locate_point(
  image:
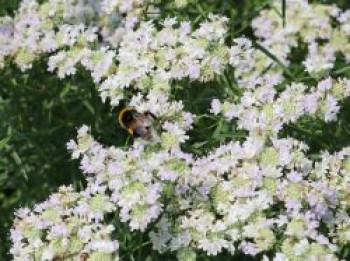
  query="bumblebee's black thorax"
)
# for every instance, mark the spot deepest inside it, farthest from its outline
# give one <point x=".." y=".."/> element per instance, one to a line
<point x="127" y="118"/>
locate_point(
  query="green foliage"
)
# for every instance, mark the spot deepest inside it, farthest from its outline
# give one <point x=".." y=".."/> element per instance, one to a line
<point x="40" y="114"/>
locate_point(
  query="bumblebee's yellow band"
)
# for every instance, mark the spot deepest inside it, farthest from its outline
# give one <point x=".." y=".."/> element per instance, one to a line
<point x="131" y="131"/>
<point x="121" y="113"/>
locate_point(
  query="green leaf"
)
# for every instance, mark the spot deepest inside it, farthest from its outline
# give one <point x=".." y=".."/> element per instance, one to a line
<point x="4" y="142"/>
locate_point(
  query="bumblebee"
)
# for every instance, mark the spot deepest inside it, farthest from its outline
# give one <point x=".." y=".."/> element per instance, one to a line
<point x="139" y="125"/>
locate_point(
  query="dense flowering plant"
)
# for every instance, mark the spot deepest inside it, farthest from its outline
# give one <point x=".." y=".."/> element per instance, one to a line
<point x="258" y="191"/>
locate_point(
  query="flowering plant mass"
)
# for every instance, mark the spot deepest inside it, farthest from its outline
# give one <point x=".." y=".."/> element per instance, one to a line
<point x="237" y="169"/>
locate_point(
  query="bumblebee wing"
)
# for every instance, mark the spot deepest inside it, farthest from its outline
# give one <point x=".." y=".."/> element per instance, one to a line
<point x="151" y="115"/>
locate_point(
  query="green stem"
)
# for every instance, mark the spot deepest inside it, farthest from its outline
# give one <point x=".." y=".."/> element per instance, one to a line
<point x="273" y="57"/>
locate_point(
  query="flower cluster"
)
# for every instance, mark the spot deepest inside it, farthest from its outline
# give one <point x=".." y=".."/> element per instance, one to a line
<point x="147" y="57"/>
<point x="243" y="194"/>
<point x="251" y="65"/>
<point x="136" y="177"/>
<point x="264" y="111"/>
<point x="311" y="24"/>
<point x="67" y="226"/>
<point x="33" y="30"/>
<point x="150" y="58"/>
